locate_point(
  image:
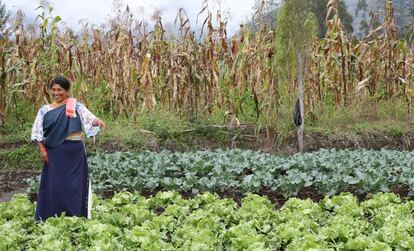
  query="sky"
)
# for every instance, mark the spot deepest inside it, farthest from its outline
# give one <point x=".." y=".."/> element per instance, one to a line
<point x="98" y="11"/>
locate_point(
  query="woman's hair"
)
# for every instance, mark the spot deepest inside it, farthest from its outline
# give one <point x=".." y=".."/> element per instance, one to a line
<point x="63" y="82"/>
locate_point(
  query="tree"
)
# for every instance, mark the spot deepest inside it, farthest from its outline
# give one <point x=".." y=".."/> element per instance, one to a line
<point x="403" y="14"/>
<point x="317" y="7"/>
<point x="362" y="5"/>
<point x="264" y="13"/>
<point x="404" y="17"/>
<point x="363" y="26"/>
<point x="293" y="47"/>
<point x="4" y="17"/>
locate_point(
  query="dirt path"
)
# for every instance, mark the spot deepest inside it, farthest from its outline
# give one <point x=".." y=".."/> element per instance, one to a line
<point x="8" y="196"/>
<point x="14" y="181"/>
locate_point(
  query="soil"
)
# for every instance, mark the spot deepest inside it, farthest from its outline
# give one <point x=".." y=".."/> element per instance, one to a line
<point x="278" y="200"/>
<point x="268" y="142"/>
<point x="14" y="181"/>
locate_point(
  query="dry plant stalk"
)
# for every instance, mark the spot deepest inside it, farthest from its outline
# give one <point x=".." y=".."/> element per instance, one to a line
<point x="135" y="70"/>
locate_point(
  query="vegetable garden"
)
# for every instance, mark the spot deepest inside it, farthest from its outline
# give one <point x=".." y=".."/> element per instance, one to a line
<point x="328" y="171"/>
<point x="213" y="199"/>
<point x="168" y="222"/>
<point x="232" y="200"/>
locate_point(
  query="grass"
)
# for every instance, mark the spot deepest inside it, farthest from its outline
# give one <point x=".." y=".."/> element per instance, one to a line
<point x="22" y="157"/>
<point x="385" y="116"/>
<point x="159" y="129"/>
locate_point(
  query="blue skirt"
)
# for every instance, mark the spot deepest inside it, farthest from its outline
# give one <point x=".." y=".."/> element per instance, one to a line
<point x="64" y="182"/>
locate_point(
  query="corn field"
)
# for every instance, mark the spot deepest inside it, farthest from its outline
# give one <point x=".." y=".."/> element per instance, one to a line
<point x="131" y="68"/>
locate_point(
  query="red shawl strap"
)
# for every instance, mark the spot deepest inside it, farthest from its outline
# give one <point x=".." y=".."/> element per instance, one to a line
<point x="70" y="108"/>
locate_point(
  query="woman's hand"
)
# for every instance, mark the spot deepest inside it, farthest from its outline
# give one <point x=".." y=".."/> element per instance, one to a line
<point x="43" y="156"/>
<point x="100" y="123"/>
<point x="43" y="153"/>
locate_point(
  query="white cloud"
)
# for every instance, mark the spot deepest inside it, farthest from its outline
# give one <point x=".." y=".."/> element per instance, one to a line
<point x="98" y="11"/>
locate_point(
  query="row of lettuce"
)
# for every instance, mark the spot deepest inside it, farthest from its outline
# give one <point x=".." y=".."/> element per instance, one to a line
<point x="168" y="222"/>
<point x="327" y="171"/>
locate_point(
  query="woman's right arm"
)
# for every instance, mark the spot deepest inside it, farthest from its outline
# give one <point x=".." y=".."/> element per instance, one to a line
<point x="37" y="134"/>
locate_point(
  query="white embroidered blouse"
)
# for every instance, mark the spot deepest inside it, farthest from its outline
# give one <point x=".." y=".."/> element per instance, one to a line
<point x="86" y="118"/>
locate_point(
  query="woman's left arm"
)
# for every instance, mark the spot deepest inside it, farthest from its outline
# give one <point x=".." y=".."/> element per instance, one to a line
<point x="90" y="121"/>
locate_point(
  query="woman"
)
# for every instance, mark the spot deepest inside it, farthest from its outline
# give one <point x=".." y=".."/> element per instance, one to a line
<point x="64" y="185"/>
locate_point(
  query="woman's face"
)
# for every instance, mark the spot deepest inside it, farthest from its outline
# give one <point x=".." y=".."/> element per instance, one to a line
<point x="58" y="93"/>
